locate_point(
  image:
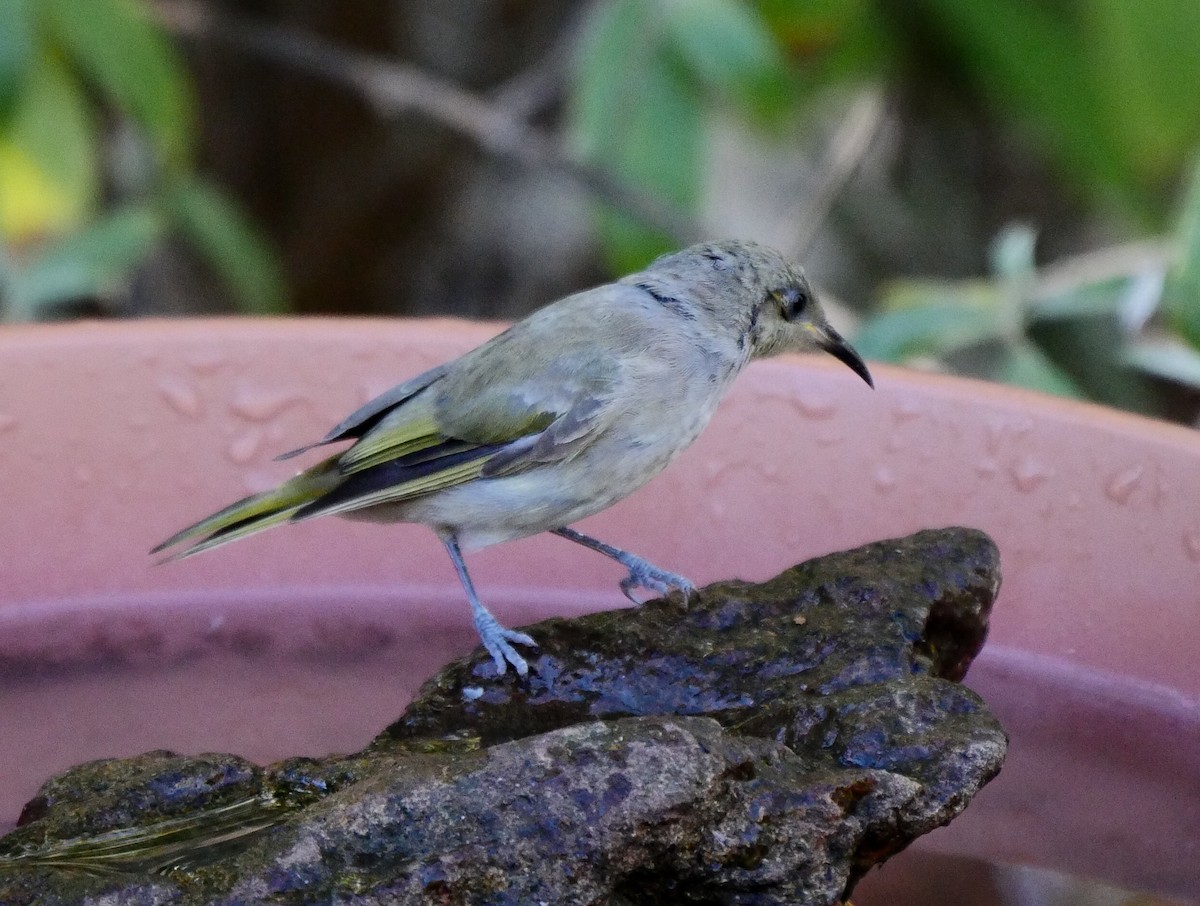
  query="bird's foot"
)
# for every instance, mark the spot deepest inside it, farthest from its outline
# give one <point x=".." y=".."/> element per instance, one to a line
<point x="643" y="574"/>
<point x="496" y="640"/>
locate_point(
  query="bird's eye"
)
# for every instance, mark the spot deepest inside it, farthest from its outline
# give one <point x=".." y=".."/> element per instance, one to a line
<point x="793" y="301"/>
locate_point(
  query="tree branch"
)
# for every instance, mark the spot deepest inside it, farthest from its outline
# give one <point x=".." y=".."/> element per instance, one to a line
<point x="393" y="88"/>
<point x="844" y="153"/>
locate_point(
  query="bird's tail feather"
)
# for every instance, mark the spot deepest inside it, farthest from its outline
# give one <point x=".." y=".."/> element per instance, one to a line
<point x="255" y="513"/>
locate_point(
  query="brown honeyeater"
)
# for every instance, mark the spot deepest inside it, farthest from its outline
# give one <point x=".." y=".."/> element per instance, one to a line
<point x="557" y="418"/>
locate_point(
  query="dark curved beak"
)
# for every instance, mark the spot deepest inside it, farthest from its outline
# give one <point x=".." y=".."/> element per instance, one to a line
<point x="835" y="344"/>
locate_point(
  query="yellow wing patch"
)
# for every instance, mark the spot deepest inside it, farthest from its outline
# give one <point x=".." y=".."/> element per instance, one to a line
<point x="258" y="511"/>
<point x="251" y="527"/>
<point x="391" y="442"/>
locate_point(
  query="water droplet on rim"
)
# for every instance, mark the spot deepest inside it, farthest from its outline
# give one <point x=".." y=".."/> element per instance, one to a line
<point x="815" y="408"/>
<point x="768" y="468"/>
<point x="207" y="362"/>
<point x="987" y="468"/>
<point x="1122" y="485"/>
<point x="260" y="480"/>
<point x="1028" y="474"/>
<point x="1191" y="544"/>
<point x="829" y="438"/>
<point x="259" y="405"/>
<point x="1001" y="430"/>
<point x="243" y="448"/>
<point x="180" y="395"/>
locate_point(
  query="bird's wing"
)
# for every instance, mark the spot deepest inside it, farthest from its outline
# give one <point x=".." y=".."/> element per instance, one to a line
<point x="518" y="384"/>
<point x="562" y="439"/>
<point x="461" y="429"/>
<point x="538" y="393"/>
<point x="369" y="414"/>
<point x="440" y="466"/>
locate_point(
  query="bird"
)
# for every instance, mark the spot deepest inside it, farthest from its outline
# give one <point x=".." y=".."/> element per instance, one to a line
<point x="556" y="418"/>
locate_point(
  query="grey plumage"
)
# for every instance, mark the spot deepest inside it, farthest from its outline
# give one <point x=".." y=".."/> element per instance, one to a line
<point x="557" y="418"/>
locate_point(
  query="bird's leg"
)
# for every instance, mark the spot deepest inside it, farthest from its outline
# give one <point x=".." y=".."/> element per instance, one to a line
<point x="642" y="573"/>
<point x="495" y="637"/>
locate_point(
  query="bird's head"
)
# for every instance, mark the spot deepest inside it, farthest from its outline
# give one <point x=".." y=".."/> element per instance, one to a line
<point x="754" y="292"/>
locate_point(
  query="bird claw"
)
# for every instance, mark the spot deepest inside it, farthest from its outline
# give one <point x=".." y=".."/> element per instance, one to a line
<point x="496" y="641"/>
<point x="660" y="581"/>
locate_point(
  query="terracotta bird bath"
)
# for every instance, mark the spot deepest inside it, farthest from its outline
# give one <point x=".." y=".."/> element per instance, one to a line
<point x="311" y="638"/>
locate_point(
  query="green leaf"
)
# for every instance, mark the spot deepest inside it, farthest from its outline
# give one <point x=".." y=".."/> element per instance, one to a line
<point x="1105" y="297"/>
<point x="1146" y="67"/>
<point x="1088" y="350"/>
<point x="1181" y="296"/>
<point x="659" y="151"/>
<point x="51" y="180"/>
<point x="728" y="47"/>
<point x="617" y="43"/>
<point x="929" y="330"/>
<point x="1031" y="60"/>
<point x="7" y="276"/>
<point x="91" y="263"/>
<point x="1026" y="366"/>
<point x="1012" y="252"/>
<point x="634" y="113"/>
<point x="903" y="294"/>
<point x="840" y="40"/>
<point x="1167" y="359"/>
<point x="231" y="244"/>
<point x="17" y="49"/>
<point x="128" y="57"/>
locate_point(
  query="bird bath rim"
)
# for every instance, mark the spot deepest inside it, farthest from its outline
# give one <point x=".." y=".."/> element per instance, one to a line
<point x="122" y="432"/>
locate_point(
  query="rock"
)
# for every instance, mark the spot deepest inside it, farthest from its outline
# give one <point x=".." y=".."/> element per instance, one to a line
<point x="766" y="745"/>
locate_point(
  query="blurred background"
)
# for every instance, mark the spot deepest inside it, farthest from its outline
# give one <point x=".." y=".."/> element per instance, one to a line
<point x="1008" y="189"/>
<point x="1002" y="188"/>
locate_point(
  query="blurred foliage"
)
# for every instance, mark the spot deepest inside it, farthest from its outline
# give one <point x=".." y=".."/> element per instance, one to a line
<point x="1182" y="293"/>
<point x="1095" y="98"/>
<point x="1096" y="337"/>
<point x="637" y="103"/>
<point x="1106" y="88"/>
<point x="97" y="148"/>
<point x="1108" y="85"/>
<point x="647" y="72"/>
